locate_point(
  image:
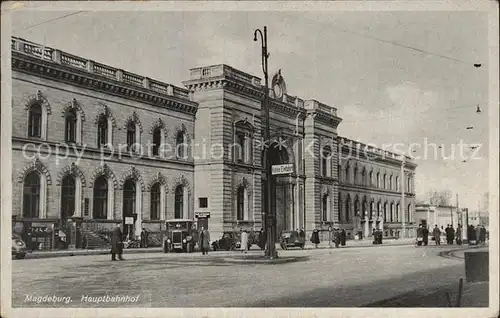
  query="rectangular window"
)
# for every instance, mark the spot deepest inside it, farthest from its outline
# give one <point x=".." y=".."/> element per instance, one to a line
<point x="203" y="202"/>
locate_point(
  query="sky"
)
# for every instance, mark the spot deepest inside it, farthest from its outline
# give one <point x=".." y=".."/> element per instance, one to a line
<point x="385" y="93"/>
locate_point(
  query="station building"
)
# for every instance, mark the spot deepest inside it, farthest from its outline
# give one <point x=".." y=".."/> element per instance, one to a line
<point x="94" y="145"/>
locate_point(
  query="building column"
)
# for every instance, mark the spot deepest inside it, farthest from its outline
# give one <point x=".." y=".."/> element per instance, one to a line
<point x="163" y="197"/>
<point x="138" y="209"/>
<point x="246" y="199"/>
<point x="111" y="197"/>
<point x="185" y="204"/>
<point x="367" y="230"/>
<point x="78" y="197"/>
<point x="43" y="197"/>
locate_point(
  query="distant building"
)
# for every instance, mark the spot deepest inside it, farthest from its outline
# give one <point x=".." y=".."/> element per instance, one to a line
<point x="441" y="215"/>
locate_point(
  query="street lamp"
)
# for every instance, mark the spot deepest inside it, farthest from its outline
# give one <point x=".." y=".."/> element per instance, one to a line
<point x="269" y="219"/>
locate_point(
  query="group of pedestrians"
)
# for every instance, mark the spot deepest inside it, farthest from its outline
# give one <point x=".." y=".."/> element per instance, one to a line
<point x="338" y="237"/>
<point x="476" y="235"/>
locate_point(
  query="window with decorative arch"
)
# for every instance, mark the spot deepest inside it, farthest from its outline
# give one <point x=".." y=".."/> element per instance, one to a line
<point x="155" y="201"/>
<point x="341" y="208"/>
<point x="180" y="145"/>
<point x="325" y="208"/>
<point x="179" y="202"/>
<point x="390" y="183"/>
<point x="68" y="196"/>
<point x="35" y="120"/>
<point x="348" y="209"/>
<point x="326" y="159"/>
<point x="32" y="195"/>
<point x="371" y="179"/>
<point x="378" y="179"/>
<point x="101" y="197"/>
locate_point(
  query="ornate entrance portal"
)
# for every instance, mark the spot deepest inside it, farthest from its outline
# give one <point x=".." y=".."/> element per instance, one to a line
<point x="283" y="200"/>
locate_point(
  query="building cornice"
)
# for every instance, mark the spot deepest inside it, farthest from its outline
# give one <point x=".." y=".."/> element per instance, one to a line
<point x="90" y="75"/>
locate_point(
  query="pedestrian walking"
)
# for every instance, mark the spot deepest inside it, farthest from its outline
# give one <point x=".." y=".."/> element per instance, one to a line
<point x="482" y="235"/>
<point x="315" y="238"/>
<point x="478" y="234"/>
<point x="244" y="241"/>
<point x="336" y="237"/>
<point x="425" y="234"/>
<point x="436" y="234"/>
<point x="117" y="243"/>
<point x="458" y="235"/>
<point x="262" y="239"/>
<point x="342" y="237"/>
<point x="420" y="235"/>
<point x="204" y="242"/>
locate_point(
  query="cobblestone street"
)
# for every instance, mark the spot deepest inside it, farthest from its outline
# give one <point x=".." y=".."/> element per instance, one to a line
<point x="328" y="278"/>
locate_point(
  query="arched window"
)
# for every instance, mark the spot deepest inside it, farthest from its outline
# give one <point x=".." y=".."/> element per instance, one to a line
<point x="347" y="177"/>
<point x="325" y="207"/>
<point x="392" y="212"/>
<point x="356" y="207"/>
<point x="385" y="181"/>
<point x="241" y="144"/>
<point x="129" y="198"/>
<point x="409" y="185"/>
<point x="155" y="201"/>
<point x="326" y="154"/>
<point x="35" y="121"/>
<point x="156" y="141"/>
<point x="31" y="195"/>
<point x="100" y="208"/>
<point x="390" y="183"/>
<point x="397" y="212"/>
<point x="397" y="183"/>
<point x="385" y="212"/>
<point x="363" y="177"/>
<point x="68" y="189"/>
<point x="372" y="209"/>
<point x="102" y="130"/>
<point x="378" y="179"/>
<point x="355" y="178"/>
<point x="379" y="209"/>
<point x="130" y="135"/>
<point x="70" y="125"/>
<point x="371" y="178"/>
<point x="408" y="214"/>
<point x="180" y="145"/>
<point x="240" y="204"/>
<point x="348" y="210"/>
<point x="179" y="202"/>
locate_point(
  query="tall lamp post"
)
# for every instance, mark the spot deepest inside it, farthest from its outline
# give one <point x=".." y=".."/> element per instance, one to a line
<point x="269" y="215"/>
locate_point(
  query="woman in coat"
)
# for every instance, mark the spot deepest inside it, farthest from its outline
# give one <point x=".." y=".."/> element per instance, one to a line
<point x="117" y="243"/>
<point x="244" y="241"/>
<point x="315" y="238"/>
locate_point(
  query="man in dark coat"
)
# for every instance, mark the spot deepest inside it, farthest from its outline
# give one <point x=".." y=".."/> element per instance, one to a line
<point x="447" y="231"/>
<point x="452" y="234"/>
<point x="425" y="233"/>
<point x="117" y="243"/>
<point x="436" y="233"/>
<point x="482" y="234"/>
<point x="144" y="238"/>
<point x="342" y="237"/>
<point x="458" y="235"/>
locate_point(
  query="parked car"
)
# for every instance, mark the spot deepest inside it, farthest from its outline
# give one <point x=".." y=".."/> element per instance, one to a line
<point x="19" y="248"/>
<point x="181" y="236"/>
<point x="291" y="239"/>
<point x="230" y="241"/>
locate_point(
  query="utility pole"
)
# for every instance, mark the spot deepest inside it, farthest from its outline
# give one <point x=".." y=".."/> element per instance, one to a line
<point x="269" y="217"/>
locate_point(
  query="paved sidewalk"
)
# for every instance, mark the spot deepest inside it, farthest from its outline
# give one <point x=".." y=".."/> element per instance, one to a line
<point x="322" y="245"/>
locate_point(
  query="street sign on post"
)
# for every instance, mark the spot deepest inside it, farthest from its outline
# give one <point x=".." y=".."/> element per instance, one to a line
<point x="282" y="169"/>
<point x="129" y="220"/>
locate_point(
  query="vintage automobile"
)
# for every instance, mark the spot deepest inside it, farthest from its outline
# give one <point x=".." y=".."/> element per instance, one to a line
<point x="181" y="236"/>
<point x="291" y="239"/>
<point x="19" y="248"/>
<point x="231" y="241"/>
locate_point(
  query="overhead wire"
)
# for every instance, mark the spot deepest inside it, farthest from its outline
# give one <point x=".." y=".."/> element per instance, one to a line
<point x="48" y="21"/>
<point x="364" y="35"/>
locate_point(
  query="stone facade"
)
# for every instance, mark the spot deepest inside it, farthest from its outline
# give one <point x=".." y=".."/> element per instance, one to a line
<point x="219" y="116"/>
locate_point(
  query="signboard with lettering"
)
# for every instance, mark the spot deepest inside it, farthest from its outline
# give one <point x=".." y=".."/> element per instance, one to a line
<point x="282" y="169"/>
<point x="129" y="220"/>
<point x="202" y="214"/>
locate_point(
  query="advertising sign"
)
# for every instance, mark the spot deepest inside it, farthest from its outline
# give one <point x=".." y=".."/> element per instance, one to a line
<point x="282" y="169"/>
<point x="129" y="220"/>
